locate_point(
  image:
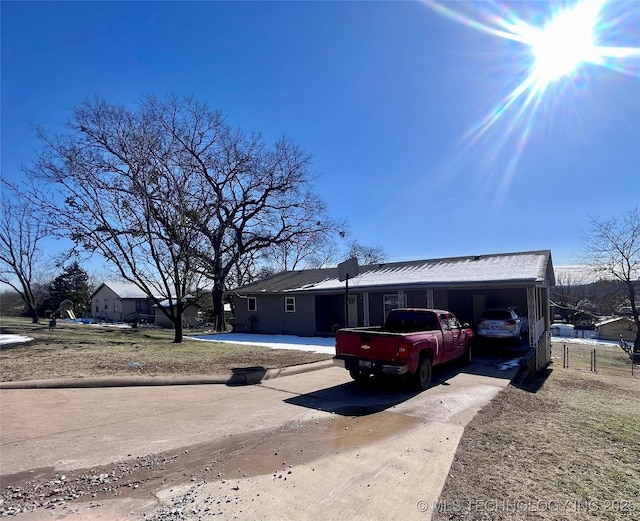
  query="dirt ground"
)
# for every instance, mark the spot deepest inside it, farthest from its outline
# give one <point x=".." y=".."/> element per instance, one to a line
<point x="563" y="446"/>
<point x="226" y="460"/>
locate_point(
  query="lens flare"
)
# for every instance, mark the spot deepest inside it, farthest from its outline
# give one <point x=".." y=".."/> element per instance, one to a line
<point x="555" y="53"/>
<point x="564" y="44"/>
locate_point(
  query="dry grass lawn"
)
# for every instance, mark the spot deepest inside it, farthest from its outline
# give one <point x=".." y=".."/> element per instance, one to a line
<point x="564" y="447"/>
<point x="80" y="351"/>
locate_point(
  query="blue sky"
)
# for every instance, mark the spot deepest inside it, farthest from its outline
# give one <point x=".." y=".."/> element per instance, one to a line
<point x="388" y="97"/>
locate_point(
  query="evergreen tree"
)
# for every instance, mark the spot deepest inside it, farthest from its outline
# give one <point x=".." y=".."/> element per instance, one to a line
<point x="72" y="284"/>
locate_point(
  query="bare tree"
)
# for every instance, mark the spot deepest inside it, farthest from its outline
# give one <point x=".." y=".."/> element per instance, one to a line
<point x="569" y="291"/>
<point x="115" y="184"/>
<point x="367" y="254"/>
<point x="613" y="250"/>
<point x="169" y="193"/>
<point x="307" y="251"/>
<point x="21" y="255"/>
<point x="250" y="197"/>
<point x="609" y="296"/>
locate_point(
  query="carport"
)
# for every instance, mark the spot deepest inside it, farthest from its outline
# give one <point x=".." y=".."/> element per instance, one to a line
<point x="311" y="302"/>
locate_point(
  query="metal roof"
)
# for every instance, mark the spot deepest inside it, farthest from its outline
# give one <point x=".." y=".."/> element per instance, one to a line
<point x="124" y="290"/>
<point x="524" y="268"/>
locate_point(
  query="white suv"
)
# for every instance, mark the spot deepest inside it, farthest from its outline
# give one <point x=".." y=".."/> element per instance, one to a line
<point x="502" y="323"/>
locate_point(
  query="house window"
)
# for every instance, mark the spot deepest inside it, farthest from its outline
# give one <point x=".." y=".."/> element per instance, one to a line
<point x="106" y="303"/>
<point x="141" y="304"/>
<point x="252" y="304"/>
<point x="290" y="304"/>
<point x="393" y="301"/>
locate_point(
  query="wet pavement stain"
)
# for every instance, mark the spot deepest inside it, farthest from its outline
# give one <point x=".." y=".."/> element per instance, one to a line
<point x="256" y="453"/>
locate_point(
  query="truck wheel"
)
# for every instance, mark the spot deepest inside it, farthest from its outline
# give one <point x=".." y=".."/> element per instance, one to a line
<point x="422" y="378"/>
<point x="359" y="376"/>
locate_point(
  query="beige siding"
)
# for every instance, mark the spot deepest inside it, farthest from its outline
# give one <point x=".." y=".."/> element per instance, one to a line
<point x="624" y="328"/>
<point x="188" y="317"/>
<point x="106" y="305"/>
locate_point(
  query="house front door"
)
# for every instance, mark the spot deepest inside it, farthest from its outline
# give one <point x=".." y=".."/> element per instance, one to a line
<point x="352" y="303"/>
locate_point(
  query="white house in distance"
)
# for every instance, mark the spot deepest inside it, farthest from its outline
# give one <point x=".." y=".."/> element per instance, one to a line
<point x="125" y="302"/>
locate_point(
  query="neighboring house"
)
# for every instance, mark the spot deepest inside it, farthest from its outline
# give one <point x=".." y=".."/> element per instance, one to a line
<point x="124" y="302"/>
<point x="121" y="302"/>
<point x="563" y="330"/>
<point x="614" y="328"/>
<point x="314" y="302"/>
<point x="189" y="316"/>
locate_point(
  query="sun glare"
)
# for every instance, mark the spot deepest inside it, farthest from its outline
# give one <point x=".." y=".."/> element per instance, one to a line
<point x="577" y="34"/>
<point x="564" y="44"/>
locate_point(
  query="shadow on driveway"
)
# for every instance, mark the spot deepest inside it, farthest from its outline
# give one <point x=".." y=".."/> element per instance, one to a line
<point x="358" y="399"/>
<point x="247" y="375"/>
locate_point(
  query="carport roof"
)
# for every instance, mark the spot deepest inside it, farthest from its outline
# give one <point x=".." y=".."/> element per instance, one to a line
<point x="525" y="268"/>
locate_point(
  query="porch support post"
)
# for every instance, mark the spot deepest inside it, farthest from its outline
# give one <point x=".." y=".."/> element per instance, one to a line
<point x="365" y="308"/>
<point x="532" y="316"/>
<point x="430" y="298"/>
<point x="402" y="299"/>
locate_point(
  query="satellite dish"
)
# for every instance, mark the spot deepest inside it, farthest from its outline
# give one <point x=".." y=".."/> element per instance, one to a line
<point x="348" y="269"/>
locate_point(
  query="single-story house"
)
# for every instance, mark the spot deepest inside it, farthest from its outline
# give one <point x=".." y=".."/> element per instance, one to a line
<point x="315" y="302"/>
<point x="616" y="328"/>
<point x="125" y="302"/>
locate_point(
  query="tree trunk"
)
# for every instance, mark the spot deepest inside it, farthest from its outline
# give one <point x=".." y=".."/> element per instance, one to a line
<point x="636" y="314"/>
<point x="177" y="331"/>
<point x="33" y="314"/>
<point x="178" y="328"/>
<point x="218" y="308"/>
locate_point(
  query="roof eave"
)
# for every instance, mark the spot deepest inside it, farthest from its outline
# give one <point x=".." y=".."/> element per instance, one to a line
<point x="524" y="283"/>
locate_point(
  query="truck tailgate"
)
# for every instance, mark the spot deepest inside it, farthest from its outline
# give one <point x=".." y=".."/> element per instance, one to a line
<point x="369" y="344"/>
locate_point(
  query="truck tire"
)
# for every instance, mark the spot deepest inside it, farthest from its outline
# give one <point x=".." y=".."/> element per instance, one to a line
<point x="422" y="378"/>
<point x="359" y="376"/>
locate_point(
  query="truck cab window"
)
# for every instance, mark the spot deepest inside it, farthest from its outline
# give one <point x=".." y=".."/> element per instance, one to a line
<point x="445" y="321"/>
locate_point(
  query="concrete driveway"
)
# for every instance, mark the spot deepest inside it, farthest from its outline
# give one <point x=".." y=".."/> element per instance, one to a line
<point x="306" y="446"/>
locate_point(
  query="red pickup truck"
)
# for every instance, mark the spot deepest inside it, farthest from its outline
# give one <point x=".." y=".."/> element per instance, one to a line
<point x="410" y="342"/>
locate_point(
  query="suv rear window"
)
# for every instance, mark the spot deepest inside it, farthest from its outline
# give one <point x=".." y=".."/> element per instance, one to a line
<point x="497" y="314"/>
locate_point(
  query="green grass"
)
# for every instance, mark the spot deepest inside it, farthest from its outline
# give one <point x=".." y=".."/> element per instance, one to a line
<point x="80" y="351"/>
